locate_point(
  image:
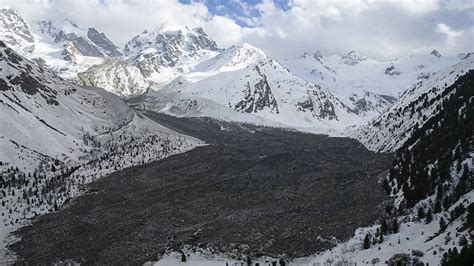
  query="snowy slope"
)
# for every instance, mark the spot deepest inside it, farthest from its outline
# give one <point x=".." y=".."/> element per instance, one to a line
<point x="365" y="85"/>
<point x="389" y="131"/>
<point x="245" y="81"/>
<point x="56" y="136"/>
<point x="39" y="109"/>
<point x="414" y="235"/>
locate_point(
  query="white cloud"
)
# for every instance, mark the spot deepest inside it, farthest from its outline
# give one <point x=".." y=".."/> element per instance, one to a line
<point x="381" y="29"/>
<point x="451" y="35"/>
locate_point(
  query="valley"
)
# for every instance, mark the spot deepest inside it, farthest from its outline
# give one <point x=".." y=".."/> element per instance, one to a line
<point x="161" y="140"/>
<point x="251" y="191"/>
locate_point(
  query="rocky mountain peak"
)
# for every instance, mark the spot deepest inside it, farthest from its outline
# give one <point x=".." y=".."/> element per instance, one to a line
<point x="171" y="37"/>
<point x="13" y="28"/>
<point x="318" y="55"/>
<point x="435" y="53"/>
<point x="103" y="42"/>
<point x="169" y="27"/>
<point x="244" y="54"/>
<point x="353" y="58"/>
<point x="88" y="42"/>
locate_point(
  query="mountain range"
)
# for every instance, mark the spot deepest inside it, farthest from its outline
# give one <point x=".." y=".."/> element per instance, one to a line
<point x="73" y="109"/>
<point x="314" y="92"/>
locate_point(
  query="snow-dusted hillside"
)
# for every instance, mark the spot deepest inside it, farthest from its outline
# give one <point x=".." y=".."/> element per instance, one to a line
<point x="431" y="183"/>
<point x="389" y="131"/>
<point x="56" y="136"/>
<point x="367" y="86"/>
<point x="249" y="84"/>
<point x="418" y="239"/>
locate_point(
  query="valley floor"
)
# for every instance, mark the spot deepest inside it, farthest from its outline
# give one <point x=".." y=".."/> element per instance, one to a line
<point x="252" y="190"/>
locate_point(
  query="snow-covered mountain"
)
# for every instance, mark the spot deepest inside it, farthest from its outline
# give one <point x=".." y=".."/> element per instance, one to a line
<point x="86" y="42"/>
<point x="430" y="179"/>
<point x="182" y="62"/>
<point x="44" y="116"/>
<point x="160" y="56"/>
<point x="367" y="86"/>
<point x="417" y="105"/>
<point x="56" y="136"/>
<point x="169" y="51"/>
<point x="14" y="30"/>
<point x="247" y="84"/>
<point x="60" y="45"/>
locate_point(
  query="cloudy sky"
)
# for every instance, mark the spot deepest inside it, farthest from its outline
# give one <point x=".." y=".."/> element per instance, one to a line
<point x="283" y="28"/>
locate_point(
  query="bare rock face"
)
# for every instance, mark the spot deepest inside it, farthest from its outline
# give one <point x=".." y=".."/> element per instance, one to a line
<point x="391" y="71"/>
<point x="259" y="98"/>
<point x="435" y="53"/>
<point x="319" y="105"/>
<point x="103" y="42"/>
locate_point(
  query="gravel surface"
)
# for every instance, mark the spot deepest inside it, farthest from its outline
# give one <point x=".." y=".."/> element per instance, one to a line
<point x="252" y="190"/>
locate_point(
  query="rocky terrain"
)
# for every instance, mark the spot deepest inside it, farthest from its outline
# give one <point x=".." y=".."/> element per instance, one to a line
<point x="252" y="190"/>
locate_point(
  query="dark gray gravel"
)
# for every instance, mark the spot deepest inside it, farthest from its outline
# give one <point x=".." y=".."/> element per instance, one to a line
<point x="273" y="190"/>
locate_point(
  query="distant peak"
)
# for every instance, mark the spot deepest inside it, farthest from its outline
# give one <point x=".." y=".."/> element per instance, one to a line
<point x="72" y="23"/>
<point x="171" y="27"/>
<point x="60" y="24"/>
<point x="355" y="54"/>
<point x="435" y="53"/>
<point x="353" y="58"/>
<point x="199" y="30"/>
<point x="317" y="55"/>
<point x="247" y="48"/>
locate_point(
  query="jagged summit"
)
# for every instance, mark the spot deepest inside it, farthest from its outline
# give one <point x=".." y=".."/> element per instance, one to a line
<point x="88" y="42"/>
<point x="316" y="55"/>
<point x="171" y="27"/>
<point x="246" y="49"/>
<point x="14" y="30"/>
<point x="435" y="53"/>
<point x="103" y="42"/>
<point x="169" y="51"/>
<point x="168" y="37"/>
<point x="353" y="58"/>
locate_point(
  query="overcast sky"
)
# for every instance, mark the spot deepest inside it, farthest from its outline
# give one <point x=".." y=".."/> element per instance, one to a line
<point x="378" y="29"/>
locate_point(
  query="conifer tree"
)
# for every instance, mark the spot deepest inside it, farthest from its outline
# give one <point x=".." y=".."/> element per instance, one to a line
<point x="421" y="213"/>
<point x="366" y="243"/>
<point x="429" y="216"/>
<point x="442" y="224"/>
<point x="395" y="226"/>
<point x="383" y="227"/>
